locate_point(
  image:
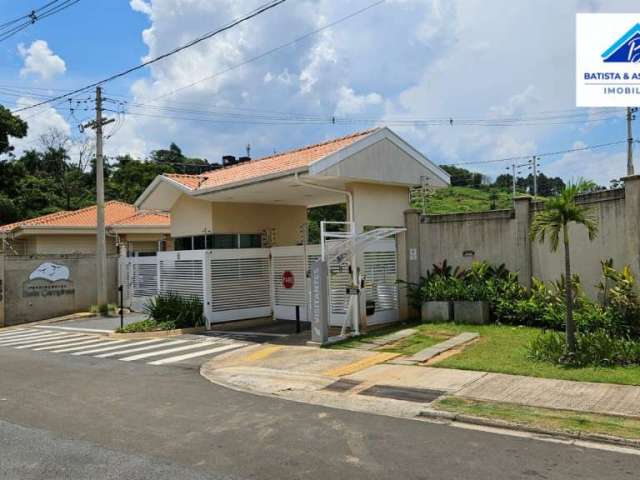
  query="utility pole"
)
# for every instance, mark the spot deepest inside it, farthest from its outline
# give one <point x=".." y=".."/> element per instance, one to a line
<point x="535" y="176"/>
<point x="101" y="240"/>
<point x="630" y="118"/>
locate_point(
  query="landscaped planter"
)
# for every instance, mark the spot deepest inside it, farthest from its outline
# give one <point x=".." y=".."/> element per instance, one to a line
<point x="471" y="312"/>
<point x="436" y="312"/>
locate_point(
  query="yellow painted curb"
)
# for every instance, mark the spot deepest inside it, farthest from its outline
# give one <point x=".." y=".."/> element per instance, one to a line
<point x="262" y="353"/>
<point x="360" y="364"/>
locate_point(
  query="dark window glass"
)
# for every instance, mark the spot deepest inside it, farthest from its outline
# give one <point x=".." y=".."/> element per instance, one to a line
<point x="225" y="240"/>
<point x="250" y="240"/>
<point x="182" y="243"/>
<point x="198" y="242"/>
<point x="209" y="242"/>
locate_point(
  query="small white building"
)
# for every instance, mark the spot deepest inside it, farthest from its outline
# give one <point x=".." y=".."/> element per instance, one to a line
<point x="258" y="209"/>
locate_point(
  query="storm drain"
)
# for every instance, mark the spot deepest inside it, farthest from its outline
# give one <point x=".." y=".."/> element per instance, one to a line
<point x="421" y="395"/>
<point x="342" y="385"/>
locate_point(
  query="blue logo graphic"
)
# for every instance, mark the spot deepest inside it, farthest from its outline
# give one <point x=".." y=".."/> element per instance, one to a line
<point x="626" y="49"/>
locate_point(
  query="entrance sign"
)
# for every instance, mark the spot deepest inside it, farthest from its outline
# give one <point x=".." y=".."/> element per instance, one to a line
<point x="607" y="59"/>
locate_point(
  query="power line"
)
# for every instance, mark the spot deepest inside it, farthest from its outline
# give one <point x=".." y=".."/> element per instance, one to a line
<point x="545" y="154"/>
<point x="33" y="17"/>
<point x="254" y="13"/>
<point x="272" y="50"/>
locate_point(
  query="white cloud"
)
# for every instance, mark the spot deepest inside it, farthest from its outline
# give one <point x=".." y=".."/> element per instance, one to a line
<point x="350" y="103"/>
<point x="600" y="166"/>
<point x="39" y="60"/>
<point x="141" y="6"/>
<point x="40" y="121"/>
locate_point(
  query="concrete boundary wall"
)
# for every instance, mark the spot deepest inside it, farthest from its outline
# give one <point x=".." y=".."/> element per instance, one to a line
<point x="37" y="287"/>
<point x="502" y="236"/>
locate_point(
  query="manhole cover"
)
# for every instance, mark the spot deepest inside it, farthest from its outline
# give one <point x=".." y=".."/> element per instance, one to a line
<point x="421" y="395"/>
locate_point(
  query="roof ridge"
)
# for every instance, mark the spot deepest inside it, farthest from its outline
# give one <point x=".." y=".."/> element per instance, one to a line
<point x="288" y="152"/>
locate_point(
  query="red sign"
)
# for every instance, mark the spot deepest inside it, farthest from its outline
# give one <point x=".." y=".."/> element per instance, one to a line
<point x="288" y="280"/>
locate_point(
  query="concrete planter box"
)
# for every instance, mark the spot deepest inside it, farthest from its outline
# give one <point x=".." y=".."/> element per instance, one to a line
<point x="471" y="312"/>
<point x="436" y="312"/>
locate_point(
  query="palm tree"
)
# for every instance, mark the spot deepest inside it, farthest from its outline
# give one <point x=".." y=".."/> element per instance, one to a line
<point x="554" y="219"/>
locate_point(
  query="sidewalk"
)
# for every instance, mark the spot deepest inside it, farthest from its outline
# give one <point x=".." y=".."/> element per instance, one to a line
<point x="363" y="381"/>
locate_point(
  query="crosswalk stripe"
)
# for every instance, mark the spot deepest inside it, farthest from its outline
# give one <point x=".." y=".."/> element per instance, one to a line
<point x="117" y="347"/>
<point x="39" y="343"/>
<point x="25" y="335"/>
<point x="64" y="348"/>
<point x="29" y="339"/>
<point x="74" y="329"/>
<point x="139" y="349"/>
<point x="161" y="352"/>
<point x="13" y="332"/>
<point x="187" y="356"/>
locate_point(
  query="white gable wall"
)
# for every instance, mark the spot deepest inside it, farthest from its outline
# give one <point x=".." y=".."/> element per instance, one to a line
<point x="382" y="161"/>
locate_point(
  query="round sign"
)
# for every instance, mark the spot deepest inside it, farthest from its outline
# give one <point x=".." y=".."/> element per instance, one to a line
<point x="288" y="280"/>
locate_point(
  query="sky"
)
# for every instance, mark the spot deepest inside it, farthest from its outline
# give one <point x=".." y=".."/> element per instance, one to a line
<point x="467" y="82"/>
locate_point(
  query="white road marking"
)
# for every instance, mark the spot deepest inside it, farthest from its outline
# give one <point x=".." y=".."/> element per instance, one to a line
<point x="13" y="332"/>
<point x="29" y="339"/>
<point x="75" y="329"/>
<point x="26" y="335"/>
<point x="161" y="352"/>
<point x="187" y="356"/>
<point x="225" y="333"/>
<point x="117" y="347"/>
<point x="80" y="350"/>
<point x="139" y="349"/>
<point x="63" y="348"/>
<point x="66" y="339"/>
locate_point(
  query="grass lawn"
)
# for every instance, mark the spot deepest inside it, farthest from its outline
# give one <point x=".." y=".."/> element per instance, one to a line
<point x="406" y="346"/>
<point x="466" y="199"/>
<point x="503" y="349"/>
<point x="548" y="419"/>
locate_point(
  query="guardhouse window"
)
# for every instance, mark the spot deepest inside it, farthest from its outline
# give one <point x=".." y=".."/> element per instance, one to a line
<point x="218" y="241"/>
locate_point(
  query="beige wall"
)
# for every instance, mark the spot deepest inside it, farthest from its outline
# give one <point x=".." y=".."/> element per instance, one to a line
<point x="502" y="237"/>
<point x="378" y="205"/>
<point x="256" y="217"/>
<point x="190" y="216"/>
<point x="63" y="244"/>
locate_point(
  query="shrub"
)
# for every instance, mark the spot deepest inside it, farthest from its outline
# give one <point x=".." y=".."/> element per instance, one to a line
<point x="142" y="326"/>
<point x="597" y="348"/>
<point x="182" y="311"/>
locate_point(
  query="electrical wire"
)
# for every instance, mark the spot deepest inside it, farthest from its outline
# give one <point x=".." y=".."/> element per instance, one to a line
<point x="34" y="16"/>
<point x="252" y="14"/>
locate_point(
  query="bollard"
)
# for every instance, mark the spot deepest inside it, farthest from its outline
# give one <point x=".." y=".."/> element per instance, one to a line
<point x="297" y="318"/>
<point x="121" y="290"/>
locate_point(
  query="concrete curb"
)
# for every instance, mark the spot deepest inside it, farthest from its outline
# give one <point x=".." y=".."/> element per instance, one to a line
<point x="486" y="422"/>
<point x="157" y="333"/>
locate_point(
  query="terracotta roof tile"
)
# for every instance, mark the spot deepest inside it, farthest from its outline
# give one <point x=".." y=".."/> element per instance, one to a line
<point x="145" y="218"/>
<point x="279" y="163"/>
<point x="114" y="212"/>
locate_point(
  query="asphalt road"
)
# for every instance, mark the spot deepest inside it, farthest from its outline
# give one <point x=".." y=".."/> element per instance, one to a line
<point x="65" y="417"/>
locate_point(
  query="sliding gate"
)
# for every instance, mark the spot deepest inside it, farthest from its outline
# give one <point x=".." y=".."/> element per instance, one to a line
<point x="262" y="282"/>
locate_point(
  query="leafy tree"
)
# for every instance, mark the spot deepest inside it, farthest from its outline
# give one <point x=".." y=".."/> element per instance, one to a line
<point x="336" y="213"/>
<point x="130" y="177"/>
<point x="10" y="126"/>
<point x="553" y="221"/>
<point x="461" y="177"/>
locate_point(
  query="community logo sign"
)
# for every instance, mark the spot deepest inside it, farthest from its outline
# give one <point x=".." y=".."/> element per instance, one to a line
<point x="48" y="280"/>
<point x="607" y="59"/>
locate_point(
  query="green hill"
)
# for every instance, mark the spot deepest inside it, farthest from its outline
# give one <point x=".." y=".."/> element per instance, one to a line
<point x="466" y="199"/>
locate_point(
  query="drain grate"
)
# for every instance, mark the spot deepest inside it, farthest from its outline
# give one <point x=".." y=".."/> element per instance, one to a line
<point x="342" y="385"/>
<point x="421" y="395"/>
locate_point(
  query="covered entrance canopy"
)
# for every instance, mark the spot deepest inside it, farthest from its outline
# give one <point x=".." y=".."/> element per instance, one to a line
<point x="370" y="171"/>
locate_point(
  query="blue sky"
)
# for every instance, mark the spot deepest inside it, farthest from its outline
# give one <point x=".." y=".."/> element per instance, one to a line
<point x="411" y="64"/>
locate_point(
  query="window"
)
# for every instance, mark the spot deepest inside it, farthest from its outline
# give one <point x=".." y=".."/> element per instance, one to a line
<point x="218" y="241"/>
<point x="183" y="243"/>
<point x="198" y="242"/>
<point x="225" y="240"/>
<point x="250" y="240"/>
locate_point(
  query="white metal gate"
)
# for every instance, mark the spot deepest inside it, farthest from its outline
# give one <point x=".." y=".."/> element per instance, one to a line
<point x="250" y="283"/>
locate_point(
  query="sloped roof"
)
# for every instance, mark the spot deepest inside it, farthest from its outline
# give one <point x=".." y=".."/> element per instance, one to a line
<point x="115" y="213"/>
<point x="279" y="163"/>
